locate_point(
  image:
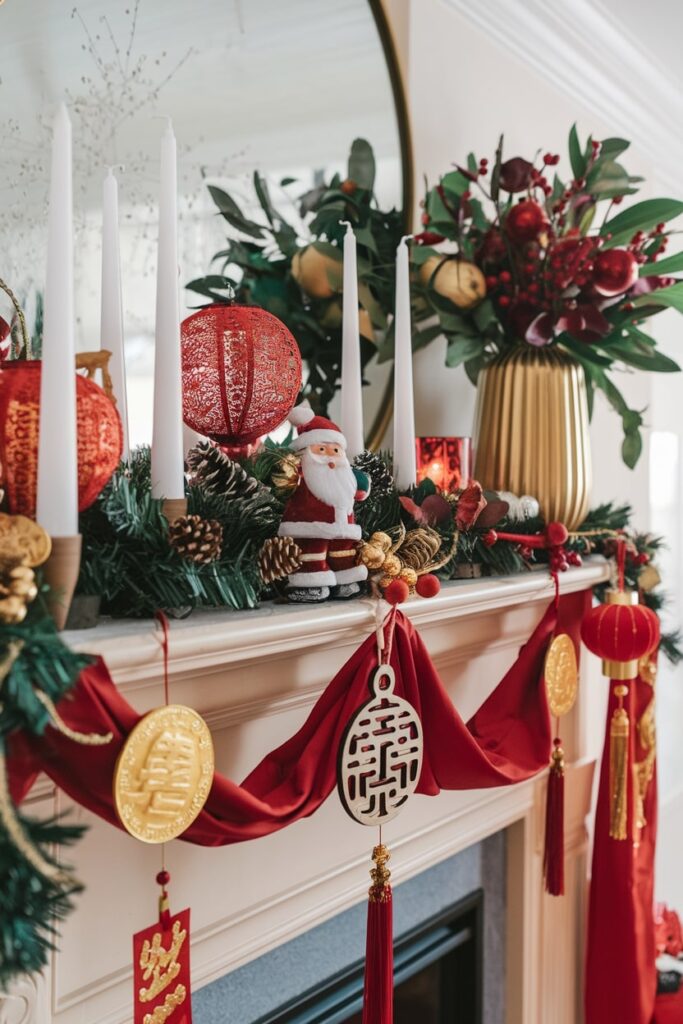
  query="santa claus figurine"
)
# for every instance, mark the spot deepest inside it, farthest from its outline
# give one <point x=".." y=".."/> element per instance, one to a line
<point x="319" y="515"/>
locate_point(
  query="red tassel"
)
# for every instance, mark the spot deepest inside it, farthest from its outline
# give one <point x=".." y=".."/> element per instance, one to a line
<point x="553" y="854"/>
<point x="378" y="994"/>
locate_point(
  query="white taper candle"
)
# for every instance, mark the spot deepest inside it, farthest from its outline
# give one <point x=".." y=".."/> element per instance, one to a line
<point x="167" y="429"/>
<point x="111" y="315"/>
<point x="405" y="470"/>
<point x="57" y="488"/>
<point x="351" y="379"/>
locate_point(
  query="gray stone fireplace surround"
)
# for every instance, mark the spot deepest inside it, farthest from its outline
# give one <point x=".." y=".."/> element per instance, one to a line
<point x="260" y="987"/>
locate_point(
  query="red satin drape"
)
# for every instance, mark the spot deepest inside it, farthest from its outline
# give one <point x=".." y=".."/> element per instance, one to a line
<point x="508" y="739"/>
<point x="621" y="978"/>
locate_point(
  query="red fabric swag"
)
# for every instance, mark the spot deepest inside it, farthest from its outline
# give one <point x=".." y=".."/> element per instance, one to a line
<point x="508" y="739"/>
<point x="621" y="978"/>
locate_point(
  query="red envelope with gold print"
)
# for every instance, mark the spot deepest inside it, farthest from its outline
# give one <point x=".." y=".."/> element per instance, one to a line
<point x="161" y="972"/>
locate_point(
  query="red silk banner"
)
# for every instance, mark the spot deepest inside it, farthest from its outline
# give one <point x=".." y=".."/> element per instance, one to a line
<point x="161" y="972"/>
<point x="621" y="978"/>
<point x="508" y="740"/>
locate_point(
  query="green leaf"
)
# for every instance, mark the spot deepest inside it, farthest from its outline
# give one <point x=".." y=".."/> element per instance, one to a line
<point x="484" y="315"/>
<point x="232" y="213"/>
<point x="287" y="181"/>
<point x="576" y="156"/>
<point x="479" y="218"/>
<point x="261" y="190"/>
<point x="424" y="337"/>
<point x="670" y="265"/>
<point x="495" y="173"/>
<point x="419" y="254"/>
<point x="612" y="148"/>
<point x="651" y="360"/>
<point x="631" y="448"/>
<point x="374" y="309"/>
<point x="361" y="168"/>
<point x="587" y="218"/>
<point x="671" y="297"/>
<point x="456" y="183"/>
<point x="364" y="236"/>
<point x="640" y="217"/>
<point x="461" y="348"/>
<point x="607" y="176"/>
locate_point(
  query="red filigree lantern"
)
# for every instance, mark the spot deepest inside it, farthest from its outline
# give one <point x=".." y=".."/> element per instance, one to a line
<point x="100" y="437"/>
<point x="241" y="373"/>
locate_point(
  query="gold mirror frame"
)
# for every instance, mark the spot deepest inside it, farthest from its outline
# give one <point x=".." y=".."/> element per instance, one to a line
<point x="380" y="423"/>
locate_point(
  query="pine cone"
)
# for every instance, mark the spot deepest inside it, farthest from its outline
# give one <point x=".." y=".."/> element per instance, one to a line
<point x="215" y="473"/>
<point x="196" y="539"/>
<point x="278" y="558"/>
<point x="378" y="471"/>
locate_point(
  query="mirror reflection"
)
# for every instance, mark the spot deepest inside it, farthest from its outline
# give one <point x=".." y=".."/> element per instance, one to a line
<point x="283" y="89"/>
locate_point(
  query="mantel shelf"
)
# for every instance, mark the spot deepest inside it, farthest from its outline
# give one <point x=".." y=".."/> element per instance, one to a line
<point x="209" y="639"/>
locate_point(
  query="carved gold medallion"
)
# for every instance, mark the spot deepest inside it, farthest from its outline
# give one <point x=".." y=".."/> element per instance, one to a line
<point x="163" y="774"/>
<point x="380" y="756"/>
<point x="561" y="675"/>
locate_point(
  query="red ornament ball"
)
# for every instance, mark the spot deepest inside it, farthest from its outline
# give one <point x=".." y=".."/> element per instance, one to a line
<point x="100" y="436"/>
<point x="397" y="592"/>
<point x="556" y="534"/>
<point x="163" y="878"/>
<point x="525" y="221"/>
<point x="428" y="585"/>
<point x="620" y="632"/>
<point x="614" y="271"/>
<point x="241" y="372"/>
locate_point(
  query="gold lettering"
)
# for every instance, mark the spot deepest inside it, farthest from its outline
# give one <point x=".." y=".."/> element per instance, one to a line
<point x="167" y="1008"/>
<point x="159" y="964"/>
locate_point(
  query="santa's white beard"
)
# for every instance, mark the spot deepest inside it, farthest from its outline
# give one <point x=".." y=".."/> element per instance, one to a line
<point x="335" y="487"/>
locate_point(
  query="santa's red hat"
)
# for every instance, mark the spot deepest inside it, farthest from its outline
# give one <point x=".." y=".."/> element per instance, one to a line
<point x="314" y="429"/>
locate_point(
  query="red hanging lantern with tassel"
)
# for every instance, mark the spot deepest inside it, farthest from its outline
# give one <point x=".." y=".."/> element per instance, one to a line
<point x="100" y="437"/>
<point x="241" y="371"/>
<point x="621" y="631"/>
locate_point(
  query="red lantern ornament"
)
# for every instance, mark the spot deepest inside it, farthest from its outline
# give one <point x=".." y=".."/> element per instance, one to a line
<point x="526" y="221"/>
<point x="614" y="272"/>
<point x="621" y="632"/>
<point x="241" y="372"/>
<point x="100" y="436"/>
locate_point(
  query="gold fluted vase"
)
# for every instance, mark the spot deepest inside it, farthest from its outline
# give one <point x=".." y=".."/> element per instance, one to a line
<point x="531" y="431"/>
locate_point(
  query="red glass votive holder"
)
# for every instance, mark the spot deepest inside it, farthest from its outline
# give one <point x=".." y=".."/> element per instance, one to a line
<point x="447" y="461"/>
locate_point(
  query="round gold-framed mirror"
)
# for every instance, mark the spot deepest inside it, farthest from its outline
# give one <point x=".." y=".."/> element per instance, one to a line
<point x="282" y="89"/>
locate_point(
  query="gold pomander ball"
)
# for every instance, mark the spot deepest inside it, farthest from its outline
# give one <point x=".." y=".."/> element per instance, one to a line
<point x="461" y="282"/>
<point x="17" y="590"/>
<point x="285" y="476"/>
<point x="409" y="575"/>
<point x="392" y="566"/>
<point x="382" y="540"/>
<point x="316" y="273"/>
<point x="371" y="556"/>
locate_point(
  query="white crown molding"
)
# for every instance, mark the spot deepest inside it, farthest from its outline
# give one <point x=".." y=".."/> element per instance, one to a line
<point x="585" y="52"/>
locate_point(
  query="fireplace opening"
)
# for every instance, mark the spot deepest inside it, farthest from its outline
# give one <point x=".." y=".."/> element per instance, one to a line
<point x="437" y="976"/>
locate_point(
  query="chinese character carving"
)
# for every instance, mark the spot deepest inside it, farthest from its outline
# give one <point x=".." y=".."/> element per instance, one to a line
<point x="380" y="756"/>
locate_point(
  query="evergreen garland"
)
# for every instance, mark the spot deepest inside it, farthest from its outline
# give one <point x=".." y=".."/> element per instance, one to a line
<point x="36" y="890"/>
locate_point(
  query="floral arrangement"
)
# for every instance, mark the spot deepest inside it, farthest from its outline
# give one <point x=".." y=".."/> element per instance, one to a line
<point x="526" y="257"/>
<point x="293" y="267"/>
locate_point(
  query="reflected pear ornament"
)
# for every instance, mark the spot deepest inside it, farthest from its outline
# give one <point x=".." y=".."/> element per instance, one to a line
<point x="380" y="756"/>
<point x="164" y="774"/>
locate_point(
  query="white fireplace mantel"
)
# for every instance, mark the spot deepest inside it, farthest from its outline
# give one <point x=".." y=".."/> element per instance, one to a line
<point x="254" y="677"/>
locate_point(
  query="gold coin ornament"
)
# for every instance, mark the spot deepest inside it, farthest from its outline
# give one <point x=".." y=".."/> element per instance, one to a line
<point x="30" y="541"/>
<point x="561" y="675"/>
<point x="164" y="774"/>
<point x="380" y="756"/>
